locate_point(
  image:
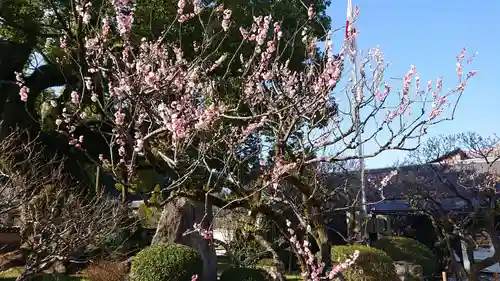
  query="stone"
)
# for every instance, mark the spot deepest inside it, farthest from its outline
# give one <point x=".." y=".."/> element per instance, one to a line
<point x="408" y="271"/>
<point x="272" y="271"/>
<point x="179" y="216"/>
<point x="59" y="267"/>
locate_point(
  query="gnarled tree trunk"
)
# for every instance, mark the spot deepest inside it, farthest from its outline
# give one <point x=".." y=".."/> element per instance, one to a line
<point x="280" y="267"/>
<point x="177" y="217"/>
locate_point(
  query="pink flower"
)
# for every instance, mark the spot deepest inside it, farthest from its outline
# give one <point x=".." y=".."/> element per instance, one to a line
<point x="88" y="83"/>
<point x="185" y="17"/>
<point x="244" y="33"/>
<point x="75" y="98"/>
<point x="435" y="112"/>
<point x="63" y="42"/>
<point x="150" y="78"/>
<point x="207" y="235"/>
<point x="459" y="69"/>
<point x="181" y="5"/>
<point x="461" y="87"/>
<point x="316" y="269"/>
<point x="119" y="118"/>
<point x="85" y="12"/>
<point x="310" y="12"/>
<point x="139" y="145"/>
<point x="407" y="80"/>
<point x="86" y="18"/>
<point x="124" y="16"/>
<point x="105" y="27"/>
<point x="218" y="62"/>
<point x="262" y="161"/>
<point x="277" y="30"/>
<point x="178" y="127"/>
<point x="440" y="83"/>
<point x="24" y="93"/>
<point x="208" y="117"/>
<point x="471" y="73"/>
<point x="197" y="7"/>
<point x="226" y="19"/>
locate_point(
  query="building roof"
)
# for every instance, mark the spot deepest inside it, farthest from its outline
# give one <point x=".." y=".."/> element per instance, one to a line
<point x="450" y="182"/>
<point x="454" y="154"/>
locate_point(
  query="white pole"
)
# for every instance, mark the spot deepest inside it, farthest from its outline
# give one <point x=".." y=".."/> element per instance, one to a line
<point x="357" y="89"/>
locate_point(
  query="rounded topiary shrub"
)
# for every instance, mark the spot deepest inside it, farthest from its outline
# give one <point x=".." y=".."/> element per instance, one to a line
<point x="164" y="262"/>
<point x="409" y="250"/>
<point x="371" y="265"/>
<point x="245" y="274"/>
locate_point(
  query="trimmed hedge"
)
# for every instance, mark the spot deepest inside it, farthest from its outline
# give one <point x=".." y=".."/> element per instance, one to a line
<point x="245" y="274"/>
<point x="371" y="265"/>
<point x="409" y="250"/>
<point x="164" y="262"/>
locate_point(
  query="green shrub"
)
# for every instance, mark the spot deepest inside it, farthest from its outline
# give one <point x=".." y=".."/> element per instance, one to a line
<point x="371" y="265"/>
<point x="244" y="246"/>
<point x="245" y="274"/>
<point x="163" y="262"/>
<point x="409" y="250"/>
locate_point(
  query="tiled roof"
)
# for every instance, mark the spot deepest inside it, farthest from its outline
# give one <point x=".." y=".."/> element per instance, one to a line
<point x="412" y="179"/>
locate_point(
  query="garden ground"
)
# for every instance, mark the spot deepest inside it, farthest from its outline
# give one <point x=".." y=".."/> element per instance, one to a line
<point x="11" y="274"/>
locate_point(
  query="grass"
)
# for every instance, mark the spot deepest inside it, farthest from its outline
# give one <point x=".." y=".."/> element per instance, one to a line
<point x="293" y="277"/>
<point x="11" y="274"/>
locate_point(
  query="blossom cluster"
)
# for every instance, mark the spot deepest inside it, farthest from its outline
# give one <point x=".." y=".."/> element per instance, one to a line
<point x="152" y="89"/>
<point x="207" y="234"/>
<point x="23" y="92"/>
<point x="84" y="10"/>
<point x="316" y="272"/>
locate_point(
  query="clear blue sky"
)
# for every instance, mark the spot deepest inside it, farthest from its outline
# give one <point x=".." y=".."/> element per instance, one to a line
<point x="429" y="34"/>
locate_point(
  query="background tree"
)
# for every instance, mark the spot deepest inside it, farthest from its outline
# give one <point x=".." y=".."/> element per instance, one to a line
<point x="59" y="220"/>
<point x="14" y="191"/>
<point x="463" y="167"/>
<point x="63" y="225"/>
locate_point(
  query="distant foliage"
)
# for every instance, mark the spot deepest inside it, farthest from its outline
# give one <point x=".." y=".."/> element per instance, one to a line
<point x="244" y="246"/>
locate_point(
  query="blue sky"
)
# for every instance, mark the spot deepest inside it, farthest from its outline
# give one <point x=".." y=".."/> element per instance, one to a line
<point x="430" y="34"/>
